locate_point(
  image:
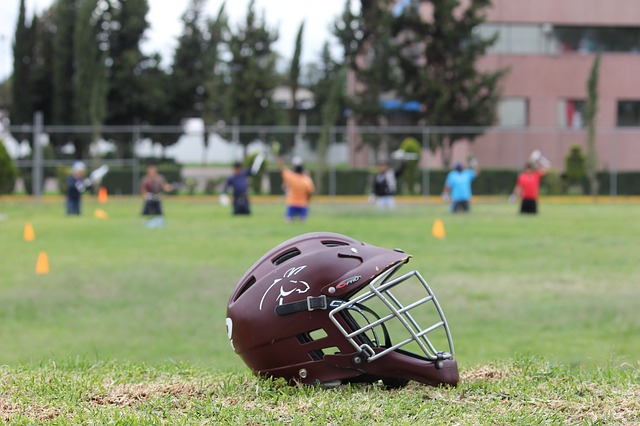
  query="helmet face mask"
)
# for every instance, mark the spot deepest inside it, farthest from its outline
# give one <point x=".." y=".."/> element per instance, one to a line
<point x="386" y="317"/>
<point x="324" y="308"/>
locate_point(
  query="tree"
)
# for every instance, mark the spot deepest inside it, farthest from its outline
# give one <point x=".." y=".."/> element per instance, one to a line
<point x="8" y="172"/>
<point x="320" y="77"/>
<point x="64" y="66"/>
<point x="591" y="110"/>
<point x="252" y="75"/>
<point x="437" y="58"/>
<point x="42" y="60"/>
<point x="367" y="45"/>
<point x="21" y="94"/>
<point x="125" y="23"/>
<point x="294" y="76"/>
<point x="193" y="65"/>
<point x="215" y="85"/>
<point x="190" y="67"/>
<point x="90" y="83"/>
<point x="330" y="114"/>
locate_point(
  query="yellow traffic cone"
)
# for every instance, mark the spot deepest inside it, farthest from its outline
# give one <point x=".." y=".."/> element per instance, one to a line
<point x="100" y="214"/>
<point x="102" y="195"/>
<point x="42" y="265"/>
<point x="438" y="229"/>
<point x="29" y="233"/>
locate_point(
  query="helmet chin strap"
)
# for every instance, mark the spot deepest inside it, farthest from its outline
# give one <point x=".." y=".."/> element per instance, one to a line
<point x="311" y="303"/>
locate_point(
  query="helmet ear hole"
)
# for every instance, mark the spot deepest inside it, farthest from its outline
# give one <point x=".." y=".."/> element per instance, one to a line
<point x="246" y="286"/>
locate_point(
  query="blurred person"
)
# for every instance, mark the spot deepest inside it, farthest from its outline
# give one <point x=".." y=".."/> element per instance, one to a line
<point x="385" y="185"/>
<point x="457" y="186"/>
<point x="299" y="188"/>
<point x="153" y="184"/>
<point x="239" y="183"/>
<point x="528" y="183"/>
<point x="76" y="185"/>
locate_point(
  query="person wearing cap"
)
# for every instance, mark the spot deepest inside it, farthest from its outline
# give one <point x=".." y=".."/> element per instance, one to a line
<point x="385" y="185"/>
<point x="457" y="186"/>
<point x="299" y="188"/>
<point x="76" y="185"/>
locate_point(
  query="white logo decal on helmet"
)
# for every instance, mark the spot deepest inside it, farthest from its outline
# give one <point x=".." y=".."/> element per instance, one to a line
<point x="288" y="287"/>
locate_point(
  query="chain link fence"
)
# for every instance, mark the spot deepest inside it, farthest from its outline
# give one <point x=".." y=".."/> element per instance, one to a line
<point x="342" y="160"/>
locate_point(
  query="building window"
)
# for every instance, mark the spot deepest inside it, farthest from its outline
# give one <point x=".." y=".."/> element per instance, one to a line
<point x="571" y="113"/>
<point x="628" y="114"/>
<point x="555" y="39"/>
<point x="513" y="112"/>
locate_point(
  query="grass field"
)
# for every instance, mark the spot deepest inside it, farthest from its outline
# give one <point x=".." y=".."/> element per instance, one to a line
<point x="562" y="286"/>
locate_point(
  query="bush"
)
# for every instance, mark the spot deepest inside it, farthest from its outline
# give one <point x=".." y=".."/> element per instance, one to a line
<point x="552" y="183"/>
<point x="8" y="172"/>
<point x="411" y="172"/>
<point x="574" y="164"/>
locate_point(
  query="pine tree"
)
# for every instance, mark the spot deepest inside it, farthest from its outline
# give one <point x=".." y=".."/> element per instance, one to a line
<point x="64" y="17"/>
<point x="22" y="95"/>
<point x="438" y="62"/>
<point x="369" y="52"/>
<point x="125" y="22"/>
<point x="90" y="82"/>
<point x="591" y="111"/>
<point x="252" y="75"/>
<point x="294" y="76"/>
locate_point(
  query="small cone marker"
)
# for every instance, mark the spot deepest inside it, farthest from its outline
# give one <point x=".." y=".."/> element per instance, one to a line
<point x="42" y="265"/>
<point x="438" y="229"/>
<point x="100" y="214"/>
<point x="29" y="234"/>
<point x="102" y="195"/>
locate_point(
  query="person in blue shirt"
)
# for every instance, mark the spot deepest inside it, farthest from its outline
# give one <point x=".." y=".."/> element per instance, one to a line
<point x="457" y="186"/>
<point x="239" y="183"/>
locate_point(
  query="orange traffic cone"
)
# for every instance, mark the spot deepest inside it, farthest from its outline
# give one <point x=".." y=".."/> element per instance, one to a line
<point x="438" y="229"/>
<point x="29" y="233"/>
<point x="102" y="195"/>
<point x="42" y="265"/>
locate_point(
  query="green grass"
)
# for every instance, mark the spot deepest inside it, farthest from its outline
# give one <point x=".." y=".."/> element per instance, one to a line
<point x="134" y="306"/>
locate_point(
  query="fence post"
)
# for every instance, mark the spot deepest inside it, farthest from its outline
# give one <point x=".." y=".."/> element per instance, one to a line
<point x="135" y="169"/>
<point x="332" y="167"/>
<point x="425" y="173"/>
<point x="37" y="155"/>
<point x="613" y="178"/>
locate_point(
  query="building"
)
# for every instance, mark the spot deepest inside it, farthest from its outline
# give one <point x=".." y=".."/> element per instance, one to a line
<point x="549" y="47"/>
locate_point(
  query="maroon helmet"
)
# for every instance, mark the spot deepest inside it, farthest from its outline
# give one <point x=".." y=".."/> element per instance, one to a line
<point x="324" y="308"/>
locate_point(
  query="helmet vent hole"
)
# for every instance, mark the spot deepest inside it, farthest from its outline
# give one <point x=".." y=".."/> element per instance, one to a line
<point x="334" y="243"/>
<point x="310" y="336"/>
<point x="286" y="256"/>
<point x="246" y="286"/>
<point x="318" y="334"/>
<point x="319" y="354"/>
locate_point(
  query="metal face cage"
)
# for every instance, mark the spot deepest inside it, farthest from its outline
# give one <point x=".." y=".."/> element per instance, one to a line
<point x="365" y="323"/>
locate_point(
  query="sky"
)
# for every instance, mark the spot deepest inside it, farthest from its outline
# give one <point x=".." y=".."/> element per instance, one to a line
<point x="164" y="18"/>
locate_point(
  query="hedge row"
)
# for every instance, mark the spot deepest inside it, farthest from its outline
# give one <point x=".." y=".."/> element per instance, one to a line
<point x="359" y="182"/>
<point x="120" y="180"/>
<point x="489" y="182"/>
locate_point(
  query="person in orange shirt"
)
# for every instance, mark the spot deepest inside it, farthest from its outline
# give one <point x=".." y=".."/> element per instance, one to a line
<point x="299" y="188"/>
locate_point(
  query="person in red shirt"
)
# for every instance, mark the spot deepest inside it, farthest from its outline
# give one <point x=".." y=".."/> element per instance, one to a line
<point x="528" y="186"/>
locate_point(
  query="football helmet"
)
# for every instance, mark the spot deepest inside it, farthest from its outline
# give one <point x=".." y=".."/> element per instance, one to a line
<point x="323" y="308"/>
